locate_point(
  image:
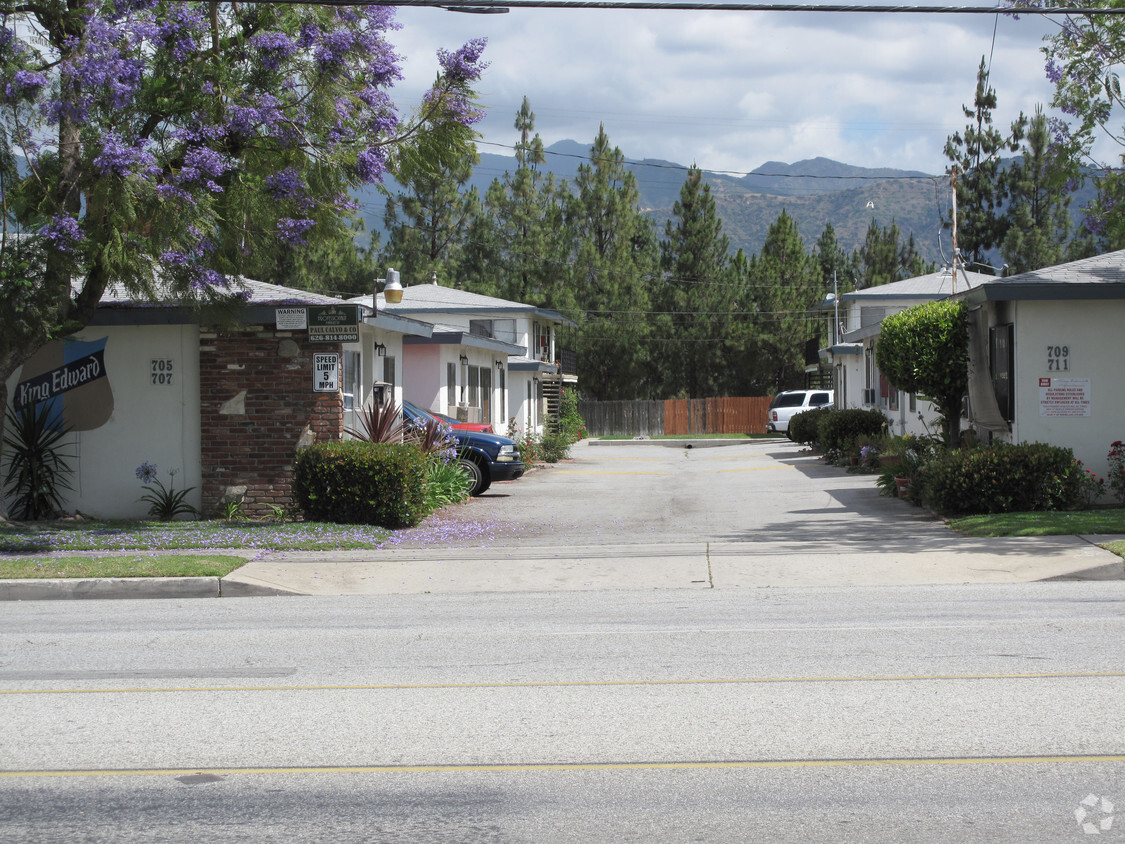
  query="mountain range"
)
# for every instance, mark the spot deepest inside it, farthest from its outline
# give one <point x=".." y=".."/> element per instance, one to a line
<point x="814" y="192"/>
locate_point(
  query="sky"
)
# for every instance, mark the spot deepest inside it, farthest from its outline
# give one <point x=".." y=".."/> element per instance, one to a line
<point x="730" y="91"/>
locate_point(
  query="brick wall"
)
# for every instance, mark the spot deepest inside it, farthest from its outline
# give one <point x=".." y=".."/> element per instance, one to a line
<point x="257" y="406"/>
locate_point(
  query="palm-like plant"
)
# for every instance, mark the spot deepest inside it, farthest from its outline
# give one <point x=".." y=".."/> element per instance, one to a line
<point x="38" y="471"/>
<point x="378" y="424"/>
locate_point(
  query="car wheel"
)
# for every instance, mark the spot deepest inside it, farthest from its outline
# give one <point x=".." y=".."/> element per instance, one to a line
<point x="476" y="475"/>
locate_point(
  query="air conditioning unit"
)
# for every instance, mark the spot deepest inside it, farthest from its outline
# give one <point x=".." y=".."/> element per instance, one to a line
<point x="464" y="413"/>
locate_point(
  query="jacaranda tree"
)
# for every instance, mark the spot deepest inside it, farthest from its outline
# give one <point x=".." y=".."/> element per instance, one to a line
<point x="159" y="145"/>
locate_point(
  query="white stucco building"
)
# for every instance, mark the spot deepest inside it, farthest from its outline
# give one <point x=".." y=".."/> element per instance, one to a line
<point x="487" y="359"/>
<point x="858" y="318"/>
<point x="1047" y="357"/>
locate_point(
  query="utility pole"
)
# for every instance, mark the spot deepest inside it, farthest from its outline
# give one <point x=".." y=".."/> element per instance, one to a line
<point x="953" y="182"/>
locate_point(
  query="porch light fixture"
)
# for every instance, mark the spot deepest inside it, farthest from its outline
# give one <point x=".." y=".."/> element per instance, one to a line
<point x="499" y="364"/>
<point x="392" y="290"/>
<point x="464" y="361"/>
<point x="380" y="350"/>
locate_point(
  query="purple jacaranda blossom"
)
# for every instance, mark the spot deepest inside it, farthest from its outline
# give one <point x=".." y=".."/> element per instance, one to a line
<point x="25" y="84"/>
<point x="265" y="114"/>
<point x="64" y="233"/>
<point x="100" y="69"/>
<point x="333" y="47"/>
<point x="370" y="165"/>
<point x="122" y="159"/>
<point x="294" y="231"/>
<point x="204" y="165"/>
<point x="182" y="29"/>
<point x="275" y="48"/>
<point x="286" y="184"/>
<point x="464" y="65"/>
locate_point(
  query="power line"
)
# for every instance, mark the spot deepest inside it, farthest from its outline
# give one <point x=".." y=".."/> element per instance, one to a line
<point x="488" y="7"/>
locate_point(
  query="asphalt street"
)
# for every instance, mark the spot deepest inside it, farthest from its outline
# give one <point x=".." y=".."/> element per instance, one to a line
<point x="982" y="713"/>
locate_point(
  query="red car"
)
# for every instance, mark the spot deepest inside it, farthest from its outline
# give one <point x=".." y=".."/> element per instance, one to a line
<point x="480" y="427"/>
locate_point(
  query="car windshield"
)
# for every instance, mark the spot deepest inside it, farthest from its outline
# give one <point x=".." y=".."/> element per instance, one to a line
<point x="417" y="412"/>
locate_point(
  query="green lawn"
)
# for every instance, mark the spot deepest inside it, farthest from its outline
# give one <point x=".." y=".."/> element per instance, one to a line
<point x="120" y="565"/>
<point x="138" y="549"/>
<point x="1105" y="520"/>
<point x="39" y="537"/>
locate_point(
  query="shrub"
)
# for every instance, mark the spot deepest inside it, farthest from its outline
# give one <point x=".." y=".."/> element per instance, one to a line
<point x="354" y="482"/>
<point x="803" y="426"/>
<point x="38" y="470"/>
<point x="1116" y="475"/>
<point x="840" y="428"/>
<point x="1003" y="478"/>
<point x="925" y="350"/>
<point x="571" y="424"/>
<point x="554" y="447"/>
<point x="446" y="483"/>
<point x="378" y="423"/>
<point x="164" y="502"/>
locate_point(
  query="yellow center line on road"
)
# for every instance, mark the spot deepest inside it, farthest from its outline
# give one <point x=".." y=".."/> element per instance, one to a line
<point x="533" y="767"/>
<point x="605" y="472"/>
<point x="754" y="469"/>
<point x="578" y="684"/>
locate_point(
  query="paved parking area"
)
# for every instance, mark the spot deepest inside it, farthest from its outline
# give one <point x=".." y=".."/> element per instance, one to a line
<point x="752" y="515"/>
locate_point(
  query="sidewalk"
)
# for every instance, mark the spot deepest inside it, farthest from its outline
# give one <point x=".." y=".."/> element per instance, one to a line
<point x="690" y="565"/>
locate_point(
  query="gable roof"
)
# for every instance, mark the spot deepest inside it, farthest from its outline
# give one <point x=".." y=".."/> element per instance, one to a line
<point x="936" y="285"/>
<point x="256" y="292"/>
<point x="1100" y="277"/>
<point x="435" y="299"/>
<point x="118" y="306"/>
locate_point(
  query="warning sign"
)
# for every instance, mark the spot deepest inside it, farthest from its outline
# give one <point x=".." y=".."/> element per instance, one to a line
<point x="1064" y="397"/>
<point x="326" y="373"/>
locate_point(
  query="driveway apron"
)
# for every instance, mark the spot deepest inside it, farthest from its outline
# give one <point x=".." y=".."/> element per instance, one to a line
<point x="684" y="515"/>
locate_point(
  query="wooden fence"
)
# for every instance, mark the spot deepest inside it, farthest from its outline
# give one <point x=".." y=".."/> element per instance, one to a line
<point x="676" y="417"/>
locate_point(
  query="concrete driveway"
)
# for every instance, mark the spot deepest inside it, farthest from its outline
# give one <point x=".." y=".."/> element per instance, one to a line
<point x="655" y="515"/>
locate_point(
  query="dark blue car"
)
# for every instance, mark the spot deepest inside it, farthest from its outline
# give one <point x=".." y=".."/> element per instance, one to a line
<point x="484" y="457"/>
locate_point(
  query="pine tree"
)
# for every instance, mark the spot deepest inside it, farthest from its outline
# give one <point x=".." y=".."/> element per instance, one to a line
<point x="974" y="157"/>
<point x="615" y="258"/>
<point x="697" y="294"/>
<point x="884" y="258"/>
<point x="783" y="280"/>
<point x="427" y="222"/>
<point x="1037" y="184"/>
<point x="519" y="239"/>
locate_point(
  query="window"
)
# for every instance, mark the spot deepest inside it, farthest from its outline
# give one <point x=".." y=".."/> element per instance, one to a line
<point x="502" y="383"/>
<point x="451" y="385"/>
<point x="389" y="376"/>
<point x="474" y="386"/>
<point x="1000" y="368"/>
<point x="480" y="327"/>
<point x="486" y="394"/>
<point x="868" y="375"/>
<point x="542" y="340"/>
<point x="349" y="381"/>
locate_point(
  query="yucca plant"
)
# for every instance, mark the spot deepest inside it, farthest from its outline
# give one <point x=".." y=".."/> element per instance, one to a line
<point x="38" y="470"/>
<point x="378" y="424"/>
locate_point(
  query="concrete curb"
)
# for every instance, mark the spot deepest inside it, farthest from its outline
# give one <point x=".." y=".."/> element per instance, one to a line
<point x="108" y="588"/>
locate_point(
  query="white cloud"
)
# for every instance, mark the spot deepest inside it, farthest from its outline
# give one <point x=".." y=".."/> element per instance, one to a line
<point x="731" y="91"/>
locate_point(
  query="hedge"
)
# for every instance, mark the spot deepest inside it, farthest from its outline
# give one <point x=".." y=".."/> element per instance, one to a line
<point x="354" y="482"/>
